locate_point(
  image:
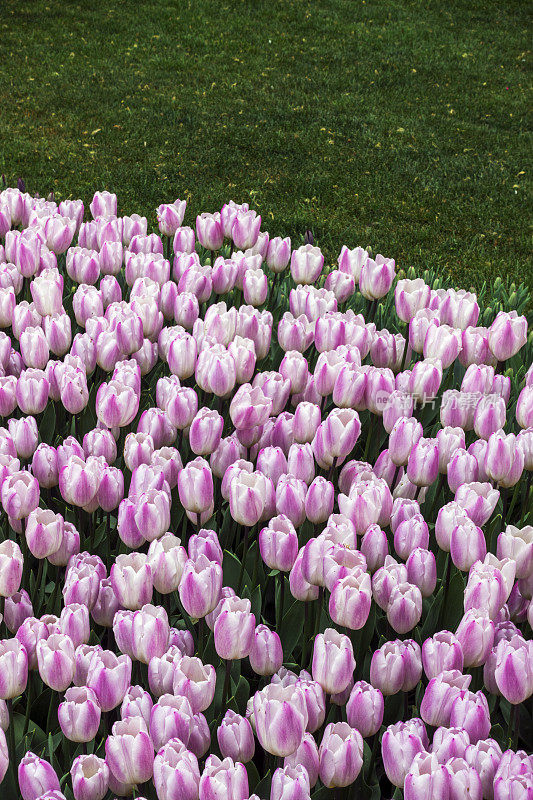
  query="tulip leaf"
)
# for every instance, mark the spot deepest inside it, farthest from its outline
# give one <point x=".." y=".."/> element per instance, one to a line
<point x="291" y="627"/>
<point x="453" y="610"/>
<point x="47" y="424"/>
<point x="432" y="616"/>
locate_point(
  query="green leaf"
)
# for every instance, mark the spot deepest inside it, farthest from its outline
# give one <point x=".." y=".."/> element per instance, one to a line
<point x="454" y="602"/>
<point x="47" y="424"/>
<point x="291" y="627"/>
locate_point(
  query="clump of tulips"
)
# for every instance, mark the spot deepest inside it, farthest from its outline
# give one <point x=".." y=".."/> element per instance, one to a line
<point x="267" y="526"/>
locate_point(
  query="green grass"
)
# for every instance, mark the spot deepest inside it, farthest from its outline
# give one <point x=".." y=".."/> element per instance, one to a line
<point x="396" y="124"/>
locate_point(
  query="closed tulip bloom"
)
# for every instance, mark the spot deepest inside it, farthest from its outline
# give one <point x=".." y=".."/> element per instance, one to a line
<point x="375" y="548"/>
<point x="442" y="342"/>
<point x="439" y="695"/>
<point x="485" y="757"/>
<point x="404" y="435"/>
<point x="423" y="463"/>
<point x="167" y="558"/>
<point x="36" y="777"/>
<point x="183" y="240"/>
<point x="478" y="500"/>
<point x="504" y="459"/>
<point x="516" y="544"/>
<point x="56" y="661"/>
<point x="195" y="681"/>
<point x="422" y="570"/>
<point x="388" y="668"/>
<point x="90" y="777"/>
<point x="278" y="254"/>
<point x="266" y="652"/>
<point x="74" y="622"/>
<point x="290" y="782"/>
<point x="247" y="497"/>
<point x="150" y="633"/>
<point x="471" y="712"/>
<point x="306" y="421"/>
<point x="11" y="562"/>
<point x="410" y="534"/>
<point x="195" y="486"/>
<point x="209" y="231"/>
<point x="223" y="780"/>
<point x="467" y="545"/>
<point x="411" y="296"/>
<point x="234" y="629"/>
<point x="442" y="652"/>
<point x="116" y="404"/>
<point x="245" y="229"/>
<point x="301" y="588"/>
<point x="333" y="661"/>
<point x="364" y="709"/>
<point x="475" y="634"/>
<point x="404" y="609"/>
<point x="131" y="578"/>
<point x="306" y="264"/>
<point x="514" y="671"/>
<point x="400" y="745"/>
<point x="489" y="415"/>
<point x="507" y="334"/>
<point x="340" y="755"/>
<point x="176" y="773"/>
<point x="236" y="738"/>
<point x="350" y="600"/>
<point x="427" y="778"/>
<point x="79" y="714"/>
<point x="200" y="586"/>
<point x="205" y="431"/>
<point x="376" y="277"/>
<point x="44" y="532"/>
<point x="462" y="468"/>
<point x="280" y="714"/>
<point x="449" y="441"/>
<point x="130" y="752"/>
<point x="17" y="608"/>
<point x="4" y="755"/>
<point x="425" y="380"/>
<point x="448" y="517"/>
<point x="13" y="668"/>
<point x="278" y="544"/>
<point x="109" y="677"/>
<point x="20" y="494"/>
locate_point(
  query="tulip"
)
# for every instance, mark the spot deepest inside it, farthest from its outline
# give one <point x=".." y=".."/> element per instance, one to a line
<point x="36" y="777"/>
<point x="90" y="778"/>
<point x="281" y="717"/>
<point x="13" y="668"/>
<point x="439" y="695"/>
<point x="471" y="712"/>
<point x="507" y="334"/>
<point x="376" y="277"/>
<point x="442" y="652"/>
<point x="234" y="629"/>
<point x="109" y="677"/>
<point x="176" y="772"/>
<point x="400" y="745"/>
<point x="223" y="780"/>
<point x="235" y="737"/>
<point x="130" y="752"/>
<point x="333" y="661"/>
<point x="200" y="586"/>
<point x="266" y="653"/>
<point x="426" y="778"/>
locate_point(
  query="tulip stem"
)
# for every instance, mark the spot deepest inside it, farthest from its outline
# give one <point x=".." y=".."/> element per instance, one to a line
<point x="11" y="738"/>
<point x="406" y="345"/>
<point x="244" y="554"/>
<point x="28" y="706"/>
<point x="225" y="690"/>
<point x="513" y="503"/>
<point x="281" y="581"/>
<point x="514" y="724"/>
<point x="446" y="587"/>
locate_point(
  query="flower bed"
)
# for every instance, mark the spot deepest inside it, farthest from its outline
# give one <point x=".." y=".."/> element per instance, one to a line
<point x="266" y="526"/>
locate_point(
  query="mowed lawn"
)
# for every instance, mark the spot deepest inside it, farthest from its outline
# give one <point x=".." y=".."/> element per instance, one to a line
<point x="400" y="125"/>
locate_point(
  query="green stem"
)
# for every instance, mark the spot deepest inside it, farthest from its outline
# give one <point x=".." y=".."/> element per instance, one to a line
<point x="244" y="554"/>
<point x="11" y="739"/>
<point x="225" y="690"/>
<point x="404" y="354"/>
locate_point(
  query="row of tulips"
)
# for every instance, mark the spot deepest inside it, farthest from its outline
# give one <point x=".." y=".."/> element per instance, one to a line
<point x="266" y="524"/>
